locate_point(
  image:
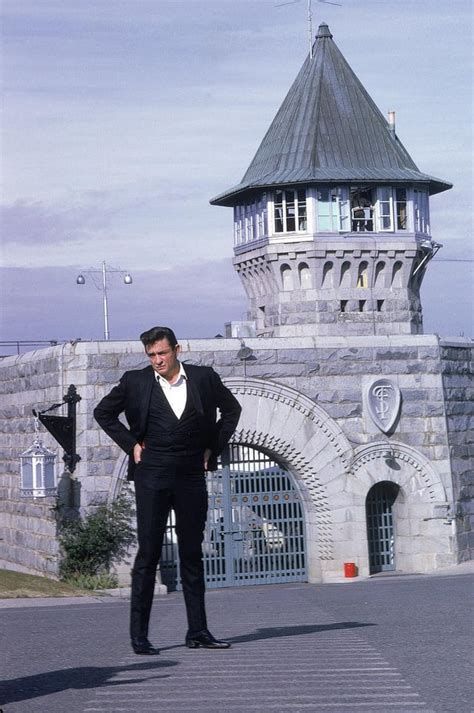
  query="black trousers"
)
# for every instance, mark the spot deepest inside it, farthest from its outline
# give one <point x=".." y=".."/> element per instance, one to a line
<point x="187" y="496"/>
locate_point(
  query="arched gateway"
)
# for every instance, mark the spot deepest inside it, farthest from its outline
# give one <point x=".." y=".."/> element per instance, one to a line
<point x="255" y="526"/>
<point x="380" y="526"/>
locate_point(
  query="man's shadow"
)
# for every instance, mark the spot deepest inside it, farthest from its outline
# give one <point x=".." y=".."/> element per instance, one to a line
<point x="83" y="677"/>
<point x="276" y="632"/>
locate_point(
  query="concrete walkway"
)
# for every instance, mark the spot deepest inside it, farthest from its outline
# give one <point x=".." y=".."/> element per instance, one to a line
<point x="384" y="644"/>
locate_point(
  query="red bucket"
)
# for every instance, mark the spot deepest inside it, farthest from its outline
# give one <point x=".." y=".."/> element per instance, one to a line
<point x="350" y="569"/>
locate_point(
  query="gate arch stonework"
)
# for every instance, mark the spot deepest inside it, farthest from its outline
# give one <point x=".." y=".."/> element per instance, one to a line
<point x="421" y="510"/>
<point x="403" y="463"/>
<point x="295" y="430"/>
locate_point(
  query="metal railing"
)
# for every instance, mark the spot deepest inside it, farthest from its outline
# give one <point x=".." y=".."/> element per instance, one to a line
<point x="9" y="348"/>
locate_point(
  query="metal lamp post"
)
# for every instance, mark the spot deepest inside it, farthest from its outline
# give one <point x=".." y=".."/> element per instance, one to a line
<point x="81" y="280"/>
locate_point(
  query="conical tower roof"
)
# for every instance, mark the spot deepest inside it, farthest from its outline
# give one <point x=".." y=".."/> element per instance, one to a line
<point x="328" y="130"/>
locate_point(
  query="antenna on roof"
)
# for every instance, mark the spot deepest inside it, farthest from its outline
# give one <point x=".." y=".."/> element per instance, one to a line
<point x="310" y="29"/>
<point x="309" y="16"/>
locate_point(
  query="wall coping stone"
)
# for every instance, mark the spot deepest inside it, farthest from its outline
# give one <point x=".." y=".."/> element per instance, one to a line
<point x="75" y="349"/>
<point x="72" y="349"/>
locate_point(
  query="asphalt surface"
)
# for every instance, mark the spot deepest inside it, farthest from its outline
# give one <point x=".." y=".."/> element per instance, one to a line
<point x="383" y="644"/>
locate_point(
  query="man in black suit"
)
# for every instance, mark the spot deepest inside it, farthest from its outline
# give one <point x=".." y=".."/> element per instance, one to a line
<point x="173" y="437"/>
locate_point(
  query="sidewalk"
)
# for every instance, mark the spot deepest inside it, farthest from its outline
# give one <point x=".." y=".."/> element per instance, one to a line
<point x="388" y="644"/>
<point x="124" y="592"/>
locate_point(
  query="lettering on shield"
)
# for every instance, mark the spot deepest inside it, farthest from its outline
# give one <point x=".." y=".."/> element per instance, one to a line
<point x="383" y="400"/>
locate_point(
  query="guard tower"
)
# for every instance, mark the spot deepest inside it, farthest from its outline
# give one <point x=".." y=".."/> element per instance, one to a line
<point x="331" y="220"/>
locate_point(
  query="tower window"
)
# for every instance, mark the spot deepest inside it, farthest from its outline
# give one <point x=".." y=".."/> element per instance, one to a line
<point x="422" y="218"/>
<point x="237" y="225"/>
<point x="250" y="221"/>
<point x="333" y="209"/>
<point x="380" y="305"/>
<point x="385" y="208"/>
<point x="401" y="208"/>
<point x="343" y="305"/>
<point x="290" y="211"/>
<point x="362" y="209"/>
<point x="362" y="305"/>
<point x="389" y="213"/>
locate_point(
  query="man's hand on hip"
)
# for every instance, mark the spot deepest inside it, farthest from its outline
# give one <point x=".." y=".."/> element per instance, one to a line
<point x="137" y="453"/>
<point x="207" y="455"/>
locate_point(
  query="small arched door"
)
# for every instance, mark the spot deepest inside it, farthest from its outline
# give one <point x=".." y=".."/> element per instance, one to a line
<point x="255" y="526"/>
<point x="380" y="529"/>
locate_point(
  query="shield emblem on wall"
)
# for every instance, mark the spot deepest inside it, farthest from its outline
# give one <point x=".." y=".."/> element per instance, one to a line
<point x="383" y="401"/>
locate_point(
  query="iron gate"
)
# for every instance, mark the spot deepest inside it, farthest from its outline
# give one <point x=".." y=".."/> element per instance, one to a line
<point x="380" y="532"/>
<point x="255" y="527"/>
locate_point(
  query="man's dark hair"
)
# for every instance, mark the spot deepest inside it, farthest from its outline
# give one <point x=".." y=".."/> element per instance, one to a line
<point x="156" y="334"/>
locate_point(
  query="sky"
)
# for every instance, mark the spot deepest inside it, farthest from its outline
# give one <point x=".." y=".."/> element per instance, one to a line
<point x="123" y="118"/>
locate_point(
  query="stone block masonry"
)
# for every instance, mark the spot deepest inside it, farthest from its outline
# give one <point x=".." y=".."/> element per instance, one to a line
<point x="28" y="535"/>
<point x="435" y="380"/>
<point x="458" y="389"/>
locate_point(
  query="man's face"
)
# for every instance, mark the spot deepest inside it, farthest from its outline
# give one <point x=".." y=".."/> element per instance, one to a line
<point x="164" y="358"/>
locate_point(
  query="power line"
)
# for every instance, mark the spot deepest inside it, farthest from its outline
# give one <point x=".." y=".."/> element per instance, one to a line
<point x="452" y="259"/>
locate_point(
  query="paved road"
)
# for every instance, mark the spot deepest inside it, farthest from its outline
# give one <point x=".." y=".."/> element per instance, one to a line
<point x="384" y="644"/>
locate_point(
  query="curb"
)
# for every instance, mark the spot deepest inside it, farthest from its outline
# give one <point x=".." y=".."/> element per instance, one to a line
<point x="104" y="596"/>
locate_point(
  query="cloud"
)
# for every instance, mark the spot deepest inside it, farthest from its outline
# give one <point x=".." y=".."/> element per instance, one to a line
<point x="137" y="225"/>
<point x="36" y="223"/>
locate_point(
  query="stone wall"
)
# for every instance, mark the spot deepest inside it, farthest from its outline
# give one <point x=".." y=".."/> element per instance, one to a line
<point x="457" y="361"/>
<point x="339" y="286"/>
<point x="28" y="526"/>
<point x="330" y="373"/>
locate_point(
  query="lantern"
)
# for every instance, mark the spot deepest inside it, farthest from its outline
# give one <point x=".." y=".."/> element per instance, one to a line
<point x="37" y="469"/>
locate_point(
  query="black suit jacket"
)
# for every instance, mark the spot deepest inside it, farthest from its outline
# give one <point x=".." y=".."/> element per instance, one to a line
<point x="132" y="397"/>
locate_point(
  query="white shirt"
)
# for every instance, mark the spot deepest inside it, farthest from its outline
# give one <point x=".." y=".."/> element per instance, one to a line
<point x="175" y="393"/>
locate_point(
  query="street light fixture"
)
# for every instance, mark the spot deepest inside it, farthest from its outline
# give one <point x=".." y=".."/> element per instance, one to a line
<point x="81" y="280"/>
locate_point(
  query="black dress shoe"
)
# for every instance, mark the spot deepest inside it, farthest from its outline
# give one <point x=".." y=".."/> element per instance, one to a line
<point x="205" y="640"/>
<point x="141" y="645"/>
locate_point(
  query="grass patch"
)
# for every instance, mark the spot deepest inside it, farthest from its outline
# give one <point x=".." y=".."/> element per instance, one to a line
<point x="92" y="581"/>
<point x="17" y="584"/>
